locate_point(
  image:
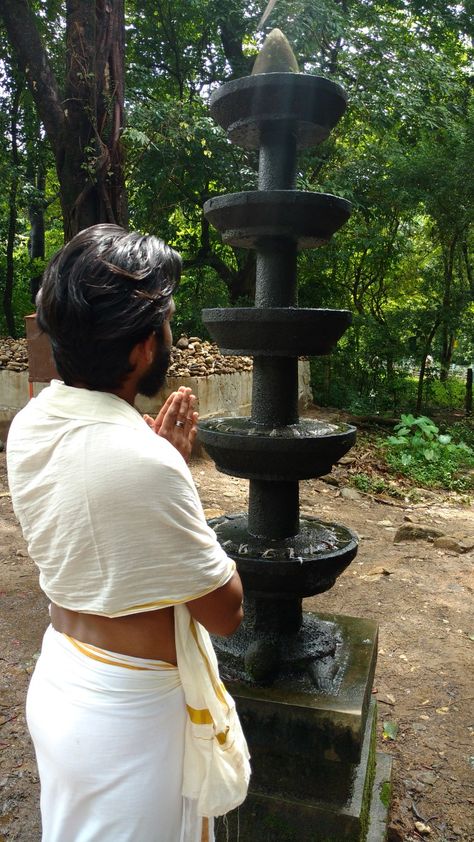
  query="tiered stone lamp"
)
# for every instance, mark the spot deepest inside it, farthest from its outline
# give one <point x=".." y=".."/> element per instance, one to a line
<point x="302" y="682"/>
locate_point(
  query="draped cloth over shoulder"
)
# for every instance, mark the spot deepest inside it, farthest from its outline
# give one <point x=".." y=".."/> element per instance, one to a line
<point x="109" y="509"/>
<point x="216" y="758"/>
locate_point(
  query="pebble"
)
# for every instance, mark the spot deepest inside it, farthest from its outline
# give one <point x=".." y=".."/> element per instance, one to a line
<point x="456" y="545"/>
<point x="426" y="778"/>
<point x="416" y="533"/>
<point x="351" y="494"/>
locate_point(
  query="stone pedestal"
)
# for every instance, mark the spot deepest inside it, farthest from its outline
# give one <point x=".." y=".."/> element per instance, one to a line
<point x="316" y="776"/>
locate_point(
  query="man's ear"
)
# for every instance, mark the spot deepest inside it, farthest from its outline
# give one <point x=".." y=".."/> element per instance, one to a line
<point x="149" y="347"/>
<point x="143" y="351"/>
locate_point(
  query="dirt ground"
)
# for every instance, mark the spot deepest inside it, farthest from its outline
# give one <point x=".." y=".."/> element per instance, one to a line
<point x="424" y="681"/>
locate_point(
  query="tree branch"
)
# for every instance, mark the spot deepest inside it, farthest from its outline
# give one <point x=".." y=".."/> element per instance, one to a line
<point x="20" y="23"/>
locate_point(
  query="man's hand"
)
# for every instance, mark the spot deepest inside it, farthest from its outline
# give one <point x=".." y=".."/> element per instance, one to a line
<point x="177" y="421"/>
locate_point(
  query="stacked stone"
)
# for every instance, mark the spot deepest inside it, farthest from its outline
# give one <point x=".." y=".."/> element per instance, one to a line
<point x="190" y="357"/>
<point x="13" y="354"/>
<point x="194" y="357"/>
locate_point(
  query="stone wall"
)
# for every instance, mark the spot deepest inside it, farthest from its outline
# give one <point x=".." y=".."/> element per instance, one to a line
<point x="227" y="393"/>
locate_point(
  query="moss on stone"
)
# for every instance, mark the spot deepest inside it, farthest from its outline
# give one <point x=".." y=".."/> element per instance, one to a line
<point x="385" y="793"/>
<point x="369" y="783"/>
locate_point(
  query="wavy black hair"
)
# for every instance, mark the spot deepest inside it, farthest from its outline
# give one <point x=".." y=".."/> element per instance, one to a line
<point x="102" y="293"/>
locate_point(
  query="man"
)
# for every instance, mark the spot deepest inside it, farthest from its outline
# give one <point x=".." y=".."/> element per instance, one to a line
<point x="113" y="521"/>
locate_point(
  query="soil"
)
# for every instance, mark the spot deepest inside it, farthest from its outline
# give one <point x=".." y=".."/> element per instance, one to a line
<point x="420" y="595"/>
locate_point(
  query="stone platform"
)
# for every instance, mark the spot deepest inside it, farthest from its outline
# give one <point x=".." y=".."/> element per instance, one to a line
<point x="316" y="775"/>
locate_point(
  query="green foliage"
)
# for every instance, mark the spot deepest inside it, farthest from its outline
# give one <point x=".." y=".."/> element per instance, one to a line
<point x="403" y="263"/>
<point x="430" y="458"/>
<point x="198" y="289"/>
<point x="462" y="431"/>
<point x="368" y="484"/>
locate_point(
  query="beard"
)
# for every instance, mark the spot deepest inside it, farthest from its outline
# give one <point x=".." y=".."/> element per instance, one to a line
<point x="153" y="379"/>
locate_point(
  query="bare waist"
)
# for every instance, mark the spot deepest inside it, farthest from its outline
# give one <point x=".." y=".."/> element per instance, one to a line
<point x="146" y="635"/>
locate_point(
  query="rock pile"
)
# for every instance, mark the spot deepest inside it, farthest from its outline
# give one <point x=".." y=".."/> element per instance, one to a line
<point x="13" y="354"/>
<point x="190" y="357"/>
<point x="194" y="357"/>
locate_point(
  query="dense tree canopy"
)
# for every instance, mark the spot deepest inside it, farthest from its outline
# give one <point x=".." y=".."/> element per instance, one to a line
<point x="79" y="125"/>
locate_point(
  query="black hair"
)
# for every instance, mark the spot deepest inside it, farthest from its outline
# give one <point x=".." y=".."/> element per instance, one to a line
<point x="102" y="293"/>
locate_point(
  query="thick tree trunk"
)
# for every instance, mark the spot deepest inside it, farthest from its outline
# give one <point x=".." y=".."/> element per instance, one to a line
<point x="92" y="186"/>
<point x="84" y="125"/>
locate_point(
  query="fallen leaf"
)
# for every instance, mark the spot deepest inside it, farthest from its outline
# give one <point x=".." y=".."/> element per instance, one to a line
<point x="390" y="730"/>
<point x="443" y="710"/>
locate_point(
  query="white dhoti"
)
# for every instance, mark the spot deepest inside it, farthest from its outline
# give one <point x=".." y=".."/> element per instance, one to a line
<point x="108" y="732"/>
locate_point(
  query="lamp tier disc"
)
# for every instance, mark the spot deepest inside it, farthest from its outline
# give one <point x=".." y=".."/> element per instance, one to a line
<point x="276" y="331"/>
<point x="309" y="106"/>
<point x="299" y="566"/>
<point x="293" y="452"/>
<point x="252" y="218"/>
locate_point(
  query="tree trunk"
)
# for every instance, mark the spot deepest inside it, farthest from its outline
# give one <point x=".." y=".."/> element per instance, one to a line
<point x="421" y="377"/>
<point x="447" y="349"/>
<point x="232" y="29"/>
<point x="447" y="335"/>
<point x="91" y="177"/>
<point x="12" y="217"/>
<point x="36" y="240"/>
<point x="240" y="282"/>
<point x="84" y="125"/>
<point x="468" y="402"/>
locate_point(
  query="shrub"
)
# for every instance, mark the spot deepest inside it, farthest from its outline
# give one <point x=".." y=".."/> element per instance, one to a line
<point x="419" y="451"/>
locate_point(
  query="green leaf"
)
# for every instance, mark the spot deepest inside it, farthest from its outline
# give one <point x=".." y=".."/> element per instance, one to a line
<point x="396" y="441"/>
<point x="390" y="730"/>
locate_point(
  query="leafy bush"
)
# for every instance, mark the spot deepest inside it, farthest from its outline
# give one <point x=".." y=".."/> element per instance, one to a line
<point x="419" y="451"/>
<point x="448" y="395"/>
<point x="462" y="431"/>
